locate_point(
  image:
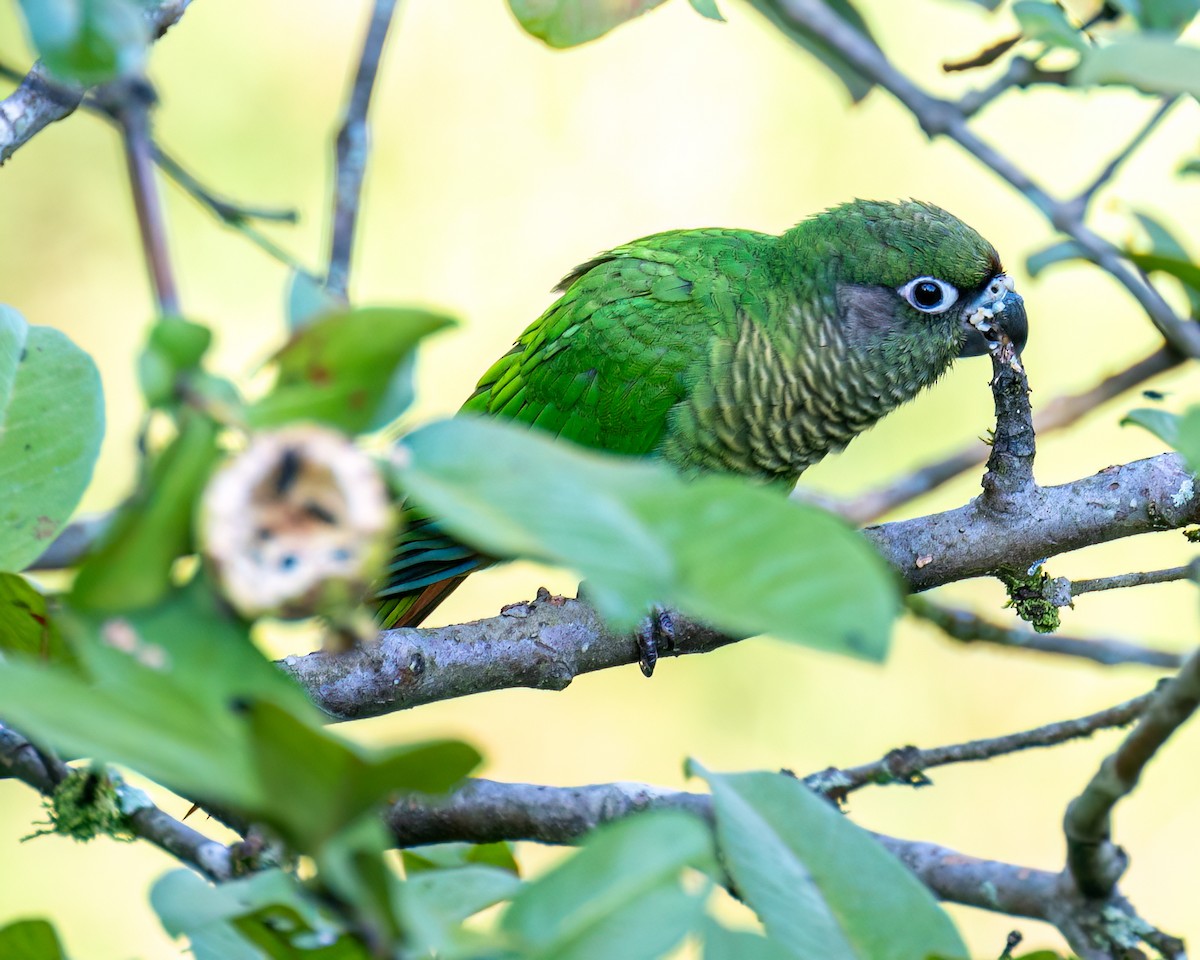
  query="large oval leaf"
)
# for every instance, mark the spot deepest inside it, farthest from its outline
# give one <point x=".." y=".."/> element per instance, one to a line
<point x="1152" y="64"/>
<point x="51" y="425"/>
<point x="741" y="557"/>
<point x="822" y="886"/>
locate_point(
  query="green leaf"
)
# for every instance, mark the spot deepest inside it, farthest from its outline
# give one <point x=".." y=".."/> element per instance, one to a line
<point x="51" y="425"/>
<point x="1048" y="23"/>
<point x="30" y="940"/>
<point x="1188" y="442"/>
<point x="26" y="627"/>
<point x="434" y="903"/>
<point x="341" y="369"/>
<point x="721" y="943"/>
<point x="1060" y="252"/>
<point x="132" y="566"/>
<point x="739" y="556"/>
<point x="89" y="41"/>
<point x="265" y="915"/>
<point x="858" y="85"/>
<point x="568" y="23"/>
<point x="1151" y="64"/>
<point x="319" y="783"/>
<point x="444" y="856"/>
<point x="1183" y="270"/>
<point x="1191" y="166"/>
<point x="308" y="299"/>
<point x="1161" y="423"/>
<point x="822" y="886"/>
<point x="619" y="896"/>
<point x="1163" y="15"/>
<point x="708" y="9"/>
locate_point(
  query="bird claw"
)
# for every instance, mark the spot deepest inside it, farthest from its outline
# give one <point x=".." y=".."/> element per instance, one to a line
<point x="656" y="632"/>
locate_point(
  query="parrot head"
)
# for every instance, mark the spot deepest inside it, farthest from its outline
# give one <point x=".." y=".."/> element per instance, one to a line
<point x="909" y="274"/>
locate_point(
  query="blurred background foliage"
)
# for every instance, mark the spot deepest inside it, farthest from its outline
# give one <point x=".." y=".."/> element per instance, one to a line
<point x="498" y="164"/>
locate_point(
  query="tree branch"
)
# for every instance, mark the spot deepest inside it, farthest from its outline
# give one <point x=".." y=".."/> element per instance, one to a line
<point x="21" y="759"/>
<point x="942" y="117"/>
<point x="1137" y="579"/>
<point x="1060" y="412"/>
<point x="485" y="811"/>
<point x="352" y="145"/>
<point x="1094" y="861"/>
<point x="40" y="100"/>
<point x="967" y="627"/>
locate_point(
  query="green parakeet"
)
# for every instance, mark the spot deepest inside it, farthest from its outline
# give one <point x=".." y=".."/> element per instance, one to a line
<point x="734" y="351"/>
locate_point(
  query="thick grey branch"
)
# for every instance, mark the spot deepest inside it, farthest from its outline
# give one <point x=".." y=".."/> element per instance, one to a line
<point x="40" y="100"/>
<point x="484" y="811"/>
<point x="1095" y="862"/>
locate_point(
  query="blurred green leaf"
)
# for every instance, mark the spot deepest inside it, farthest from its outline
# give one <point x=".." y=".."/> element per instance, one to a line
<point x="132" y="566"/>
<point x="707" y="8"/>
<point x="857" y="85"/>
<point x="444" y="856"/>
<point x="1163" y="15"/>
<point x="721" y="943"/>
<point x="1191" y="166"/>
<point x="1150" y="63"/>
<point x="1188" y="441"/>
<point x="568" y="23"/>
<point x="51" y="425"/>
<point x="433" y="904"/>
<point x="30" y="940"/>
<point x="88" y="41"/>
<point x="1186" y="272"/>
<point x="823" y="887"/>
<point x="308" y="299"/>
<point x="26" y="627"/>
<point x="174" y="346"/>
<point x="320" y="783"/>
<point x="619" y="896"/>
<point x="739" y="556"/>
<point x="1060" y="252"/>
<point x="341" y="368"/>
<point x="1161" y="423"/>
<point x="263" y="917"/>
<point x="1048" y="23"/>
<point x="352" y="870"/>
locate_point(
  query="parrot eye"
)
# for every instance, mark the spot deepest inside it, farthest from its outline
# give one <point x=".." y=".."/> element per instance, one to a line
<point x="929" y="294"/>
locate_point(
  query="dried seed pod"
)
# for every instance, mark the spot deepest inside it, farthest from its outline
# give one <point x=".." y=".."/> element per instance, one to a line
<point x="296" y="524"/>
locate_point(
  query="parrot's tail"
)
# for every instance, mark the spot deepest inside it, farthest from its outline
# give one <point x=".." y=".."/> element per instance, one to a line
<point x="426" y="567"/>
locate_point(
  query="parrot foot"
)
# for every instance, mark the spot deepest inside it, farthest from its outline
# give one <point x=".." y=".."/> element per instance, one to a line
<point x="656" y="632"/>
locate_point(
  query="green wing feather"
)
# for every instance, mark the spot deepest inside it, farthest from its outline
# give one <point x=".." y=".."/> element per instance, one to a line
<point x="602" y="367"/>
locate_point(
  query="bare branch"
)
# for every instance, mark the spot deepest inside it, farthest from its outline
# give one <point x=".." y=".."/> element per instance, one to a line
<point x="485" y="811"/>
<point x="131" y="103"/>
<point x="40" y="100"/>
<point x="1009" y="481"/>
<point x="1058" y="413"/>
<point x="1094" y="861"/>
<point x="1083" y="201"/>
<point x="967" y="627"/>
<point x="907" y="765"/>
<point x="941" y="117"/>
<point x="21" y="759"/>
<point x="1130" y="580"/>
<point x="352" y="146"/>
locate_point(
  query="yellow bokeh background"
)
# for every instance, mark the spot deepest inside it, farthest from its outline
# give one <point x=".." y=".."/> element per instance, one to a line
<point x="497" y="165"/>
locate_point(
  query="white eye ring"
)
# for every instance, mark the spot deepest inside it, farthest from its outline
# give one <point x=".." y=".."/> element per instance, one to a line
<point x="919" y="295"/>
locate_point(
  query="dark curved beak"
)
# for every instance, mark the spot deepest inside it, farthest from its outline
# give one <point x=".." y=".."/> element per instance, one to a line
<point x="999" y="308"/>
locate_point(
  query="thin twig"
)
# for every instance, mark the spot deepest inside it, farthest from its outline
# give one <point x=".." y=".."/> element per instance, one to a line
<point x="21" y="759"/>
<point x="132" y="102"/>
<point x="39" y="100"/>
<point x="1083" y="201"/>
<point x="352" y="147"/>
<point x="1094" y="861"/>
<point x="1139" y="579"/>
<point x="907" y="765"/>
<point x="985" y="57"/>
<point x="1062" y="411"/>
<point x="229" y="212"/>
<point x="944" y="118"/>
<point x="967" y="627"/>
